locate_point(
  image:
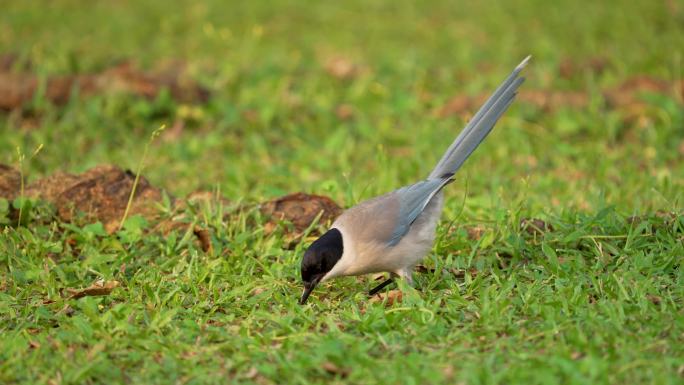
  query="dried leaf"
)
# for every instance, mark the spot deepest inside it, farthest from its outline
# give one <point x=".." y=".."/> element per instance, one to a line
<point x="67" y="310"/>
<point x="654" y="299"/>
<point x="342" y="68"/>
<point x="258" y="290"/>
<point x="392" y="297"/>
<point x="333" y="369"/>
<point x="476" y="232"/>
<point x="448" y="372"/>
<point x="251" y="374"/>
<point x="535" y="226"/>
<point x="344" y="112"/>
<point x="96" y="289"/>
<point x="460" y="273"/>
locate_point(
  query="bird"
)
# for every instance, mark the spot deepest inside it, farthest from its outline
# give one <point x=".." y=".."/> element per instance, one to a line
<point x="393" y="232"/>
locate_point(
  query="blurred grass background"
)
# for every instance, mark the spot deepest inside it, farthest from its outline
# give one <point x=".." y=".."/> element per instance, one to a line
<point x="597" y="300"/>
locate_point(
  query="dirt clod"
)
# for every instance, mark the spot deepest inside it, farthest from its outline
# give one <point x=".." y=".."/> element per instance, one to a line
<point x="656" y="300"/>
<point x="8" y="61"/>
<point x="204" y="238"/>
<point x="50" y="187"/>
<point x="18" y="89"/>
<point x="101" y="193"/>
<point x="570" y="67"/>
<point x="301" y="210"/>
<point x="626" y="97"/>
<point x="461" y="105"/>
<point x="10" y="182"/>
<point x="549" y="100"/>
<point x="628" y="91"/>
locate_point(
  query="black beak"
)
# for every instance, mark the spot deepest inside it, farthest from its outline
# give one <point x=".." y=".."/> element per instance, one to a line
<point x="308" y="288"/>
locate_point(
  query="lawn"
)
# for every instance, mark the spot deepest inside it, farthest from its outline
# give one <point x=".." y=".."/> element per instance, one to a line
<point x="558" y="257"/>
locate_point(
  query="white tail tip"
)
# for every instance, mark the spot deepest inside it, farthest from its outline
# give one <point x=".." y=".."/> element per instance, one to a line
<point x="524" y="62"/>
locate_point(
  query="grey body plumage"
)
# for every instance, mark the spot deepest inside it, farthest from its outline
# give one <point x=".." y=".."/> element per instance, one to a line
<point x="393" y="232"/>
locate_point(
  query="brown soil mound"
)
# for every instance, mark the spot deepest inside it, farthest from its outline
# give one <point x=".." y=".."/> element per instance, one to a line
<point x="18" y="89"/>
<point x="301" y="210"/>
<point x="10" y="182"/>
<point x="625" y="97"/>
<point x="102" y="193"/>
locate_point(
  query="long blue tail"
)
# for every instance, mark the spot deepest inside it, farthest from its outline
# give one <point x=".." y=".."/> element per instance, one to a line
<point x="481" y="124"/>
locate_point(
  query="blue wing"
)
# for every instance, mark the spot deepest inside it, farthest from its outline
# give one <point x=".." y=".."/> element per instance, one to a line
<point x="412" y="202"/>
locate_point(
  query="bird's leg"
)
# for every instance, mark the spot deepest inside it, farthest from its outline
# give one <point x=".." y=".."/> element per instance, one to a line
<point x="381" y="286"/>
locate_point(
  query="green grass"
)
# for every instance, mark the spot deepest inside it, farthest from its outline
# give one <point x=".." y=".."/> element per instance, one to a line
<point x="599" y="299"/>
